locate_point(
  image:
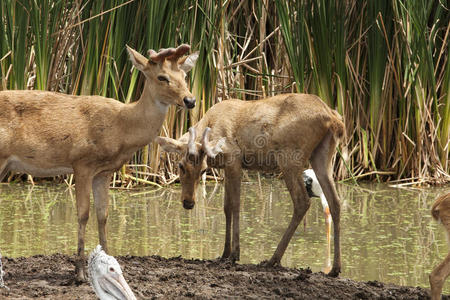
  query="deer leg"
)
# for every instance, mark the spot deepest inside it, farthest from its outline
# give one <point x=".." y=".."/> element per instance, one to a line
<point x="100" y="189"/>
<point x="321" y="163"/>
<point x="438" y="276"/>
<point x="231" y="207"/>
<point x="3" y="168"/>
<point x="228" y="214"/>
<point x="301" y="202"/>
<point x="83" y="186"/>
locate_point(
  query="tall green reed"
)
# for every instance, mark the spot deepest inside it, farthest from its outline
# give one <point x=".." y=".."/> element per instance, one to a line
<point x="382" y="64"/>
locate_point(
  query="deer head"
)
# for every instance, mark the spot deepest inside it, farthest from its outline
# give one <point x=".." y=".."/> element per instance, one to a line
<point x="193" y="163"/>
<point x="165" y="71"/>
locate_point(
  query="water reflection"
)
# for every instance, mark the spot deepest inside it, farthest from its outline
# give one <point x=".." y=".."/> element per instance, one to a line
<point x="387" y="234"/>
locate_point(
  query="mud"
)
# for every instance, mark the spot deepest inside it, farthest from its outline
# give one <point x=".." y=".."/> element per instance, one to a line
<point x="154" y="277"/>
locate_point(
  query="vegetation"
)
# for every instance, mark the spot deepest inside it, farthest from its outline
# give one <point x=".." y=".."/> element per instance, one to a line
<point x="382" y="64"/>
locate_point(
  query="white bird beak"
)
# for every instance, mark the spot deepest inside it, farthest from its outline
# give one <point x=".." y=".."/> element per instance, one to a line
<point x="116" y="286"/>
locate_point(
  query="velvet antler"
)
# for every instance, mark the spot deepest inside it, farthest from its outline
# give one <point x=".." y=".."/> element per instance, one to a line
<point x="192" y="149"/>
<point x="169" y="53"/>
<point x="211" y="151"/>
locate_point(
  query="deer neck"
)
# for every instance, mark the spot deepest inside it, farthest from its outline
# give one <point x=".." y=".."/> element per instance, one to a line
<point x="144" y="118"/>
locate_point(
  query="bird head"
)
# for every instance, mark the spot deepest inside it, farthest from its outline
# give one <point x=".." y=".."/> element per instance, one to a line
<point x="106" y="277"/>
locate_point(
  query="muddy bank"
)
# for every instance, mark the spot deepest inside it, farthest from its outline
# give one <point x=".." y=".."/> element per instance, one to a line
<point x="154" y="277"/>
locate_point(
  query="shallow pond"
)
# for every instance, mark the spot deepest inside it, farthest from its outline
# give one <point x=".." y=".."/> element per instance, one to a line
<point x="387" y="233"/>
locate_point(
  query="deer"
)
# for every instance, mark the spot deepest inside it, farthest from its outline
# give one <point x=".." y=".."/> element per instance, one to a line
<point x="280" y="133"/>
<point x="441" y="213"/>
<point x="47" y="134"/>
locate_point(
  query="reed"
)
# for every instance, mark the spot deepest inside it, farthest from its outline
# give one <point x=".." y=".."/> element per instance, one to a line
<point x="382" y="64"/>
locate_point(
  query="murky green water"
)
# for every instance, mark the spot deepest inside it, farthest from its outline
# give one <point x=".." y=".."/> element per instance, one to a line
<point x="387" y="234"/>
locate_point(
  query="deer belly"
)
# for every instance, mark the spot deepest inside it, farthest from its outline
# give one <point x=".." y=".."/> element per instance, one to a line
<point x="19" y="165"/>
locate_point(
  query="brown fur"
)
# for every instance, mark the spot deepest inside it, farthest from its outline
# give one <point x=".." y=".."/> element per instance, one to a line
<point x="279" y="133"/>
<point x="49" y="134"/>
<point x="441" y="212"/>
<point x="441" y="207"/>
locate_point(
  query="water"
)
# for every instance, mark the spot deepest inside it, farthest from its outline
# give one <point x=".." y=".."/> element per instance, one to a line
<point x="387" y="234"/>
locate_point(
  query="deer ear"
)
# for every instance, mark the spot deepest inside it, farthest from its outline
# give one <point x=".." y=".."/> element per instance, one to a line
<point x="138" y="60"/>
<point x="188" y="62"/>
<point x="171" y="145"/>
<point x="215" y="147"/>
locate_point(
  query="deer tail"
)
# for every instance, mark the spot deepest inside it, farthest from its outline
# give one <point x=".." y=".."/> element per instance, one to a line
<point x="438" y="204"/>
<point x="337" y="127"/>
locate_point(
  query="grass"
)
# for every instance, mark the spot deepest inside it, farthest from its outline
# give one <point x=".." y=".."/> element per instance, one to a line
<point x="382" y="64"/>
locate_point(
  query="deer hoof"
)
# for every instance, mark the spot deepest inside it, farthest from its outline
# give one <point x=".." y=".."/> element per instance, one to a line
<point x="334" y="272"/>
<point x="234" y="257"/>
<point x="221" y="259"/>
<point x="226" y="260"/>
<point x="269" y="263"/>
<point x="80" y="275"/>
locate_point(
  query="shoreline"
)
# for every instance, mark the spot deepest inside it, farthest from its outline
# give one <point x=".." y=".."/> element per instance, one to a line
<point x="153" y="277"/>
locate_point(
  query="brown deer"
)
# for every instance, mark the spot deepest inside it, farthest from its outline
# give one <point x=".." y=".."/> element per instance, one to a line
<point x="279" y="133"/>
<point x="48" y="134"/>
<point x="441" y="212"/>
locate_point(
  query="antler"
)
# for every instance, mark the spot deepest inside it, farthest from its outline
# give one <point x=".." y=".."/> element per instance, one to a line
<point x="169" y="53"/>
<point x="192" y="149"/>
<point x="211" y="152"/>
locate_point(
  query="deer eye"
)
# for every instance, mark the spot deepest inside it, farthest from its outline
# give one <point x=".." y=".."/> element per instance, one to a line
<point x="111" y="269"/>
<point x="181" y="167"/>
<point x="163" y="78"/>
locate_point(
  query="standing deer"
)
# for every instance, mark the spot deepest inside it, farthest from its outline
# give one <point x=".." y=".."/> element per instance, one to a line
<point x="441" y="212"/>
<point x="49" y="134"/>
<point x="279" y="133"/>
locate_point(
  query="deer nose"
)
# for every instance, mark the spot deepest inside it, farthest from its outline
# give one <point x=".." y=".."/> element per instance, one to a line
<point x="189" y="102"/>
<point x="188" y="204"/>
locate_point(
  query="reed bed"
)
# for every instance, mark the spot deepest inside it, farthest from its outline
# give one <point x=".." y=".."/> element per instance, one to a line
<point x="382" y="64"/>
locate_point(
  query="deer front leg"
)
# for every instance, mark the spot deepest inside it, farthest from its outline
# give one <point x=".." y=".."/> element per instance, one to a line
<point x="83" y="186"/>
<point x="231" y="208"/>
<point x="227" y="208"/>
<point x="100" y="188"/>
<point x="301" y="205"/>
<point x="438" y="276"/>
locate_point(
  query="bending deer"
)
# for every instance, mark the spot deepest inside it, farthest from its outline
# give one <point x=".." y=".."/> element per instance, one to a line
<point x="49" y="134"/>
<point x="441" y="212"/>
<point x="279" y="133"/>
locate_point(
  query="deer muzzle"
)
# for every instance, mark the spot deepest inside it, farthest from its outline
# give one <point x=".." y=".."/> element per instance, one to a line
<point x="188" y="204"/>
<point x="189" y="102"/>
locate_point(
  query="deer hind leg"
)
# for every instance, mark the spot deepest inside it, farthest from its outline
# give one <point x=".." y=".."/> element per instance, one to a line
<point x="100" y="189"/>
<point x="438" y="276"/>
<point x="301" y="202"/>
<point x="83" y="187"/>
<point x="321" y="163"/>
